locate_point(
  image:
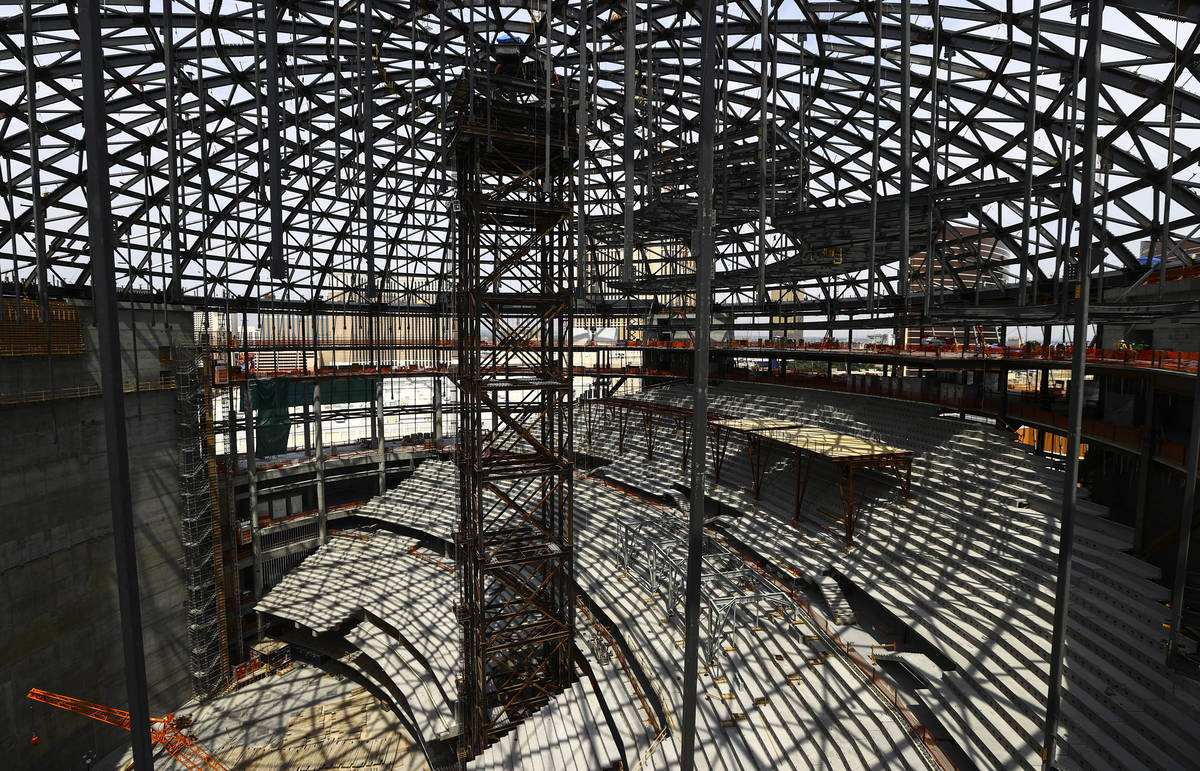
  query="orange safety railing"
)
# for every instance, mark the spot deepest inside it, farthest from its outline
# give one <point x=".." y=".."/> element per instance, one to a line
<point x="1161" y="359"/>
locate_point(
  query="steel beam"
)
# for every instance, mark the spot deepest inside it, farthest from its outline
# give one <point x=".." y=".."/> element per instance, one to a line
<point x="104" y="290"/>
<point x="705" y="255"/>
<point x="278" y="268"/>
<point x="1066" y="536"/>
<point x="877" y="78"/>
<point x="763" y="128"/>
<point x="581" y="172"/>
<point x="932" y="239"/>
<point x="902" y="279"/>
<point x="36" y="212"/>
<point x="1030" y="133"/>
<point x="437" y="411"/>
<point x="322" y="508"/>
<point x="380" y="431"/>
<point x="172" y="139"/>
<point x="252" y="492"/>
<point x="630" y="137"/>
<point x="35" y="170"/>
<point x="368" y="112"/>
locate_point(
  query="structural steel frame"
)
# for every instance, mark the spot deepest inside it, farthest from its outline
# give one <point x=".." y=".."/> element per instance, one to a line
<point x="222" y="192"/>
<point x="272" y="154"/>
<point x="654" y="551"/>
<point x="514" y="290"/>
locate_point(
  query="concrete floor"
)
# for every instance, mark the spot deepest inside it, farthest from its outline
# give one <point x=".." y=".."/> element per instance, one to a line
<point x="300" y="718"/>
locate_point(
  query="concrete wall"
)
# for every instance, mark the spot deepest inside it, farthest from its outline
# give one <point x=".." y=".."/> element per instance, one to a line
<point x="59" y="621"/>
<point x="1163" y="334"/>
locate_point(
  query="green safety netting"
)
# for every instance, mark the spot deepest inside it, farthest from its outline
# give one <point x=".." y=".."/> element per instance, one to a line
<point x="273" y="397"/>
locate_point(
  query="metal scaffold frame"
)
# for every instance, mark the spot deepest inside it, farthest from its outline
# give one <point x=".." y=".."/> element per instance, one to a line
<point x="514" y="304"/>
<point x="199" y="525"/>
<point x="655" y="554"/>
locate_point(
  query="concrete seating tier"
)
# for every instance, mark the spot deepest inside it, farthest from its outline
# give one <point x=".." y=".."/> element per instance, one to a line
<point x="968" y="564"/>
<point x="763" y="705"/>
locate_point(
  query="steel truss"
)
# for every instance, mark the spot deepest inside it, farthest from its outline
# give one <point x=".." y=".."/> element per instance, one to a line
<point x="514" y="305"/>
<point x="812" y="172"/>
<point x="654" y="551"/>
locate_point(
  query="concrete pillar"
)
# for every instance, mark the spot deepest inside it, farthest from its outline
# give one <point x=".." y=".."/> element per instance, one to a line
<point x="322" y="511"/>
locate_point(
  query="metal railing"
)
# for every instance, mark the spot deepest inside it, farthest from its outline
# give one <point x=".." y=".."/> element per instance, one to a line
<point x="81" y="392"/>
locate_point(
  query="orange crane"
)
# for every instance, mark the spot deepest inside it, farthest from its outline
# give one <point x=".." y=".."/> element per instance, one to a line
<point x="167" y="732"/>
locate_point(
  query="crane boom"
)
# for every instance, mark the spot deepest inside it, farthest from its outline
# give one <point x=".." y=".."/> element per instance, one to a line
<point x="164" y="731"/>
<point x="111" y="715"/>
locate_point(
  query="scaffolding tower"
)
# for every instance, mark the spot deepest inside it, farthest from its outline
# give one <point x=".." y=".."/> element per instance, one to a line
<point x="199" y="525"/>
<point x="514" y="308"/>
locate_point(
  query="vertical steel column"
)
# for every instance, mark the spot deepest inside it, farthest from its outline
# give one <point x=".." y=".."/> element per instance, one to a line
<point x="1187" y="513"/>
<point x="104" y="292"/>
<point x="37" y="215"/>
<point x="1164" y="248"/>
<point x="628" y="126"/>
<point x="763" y="84"/>
<point x="931" y="241"/>
<point x="252" y="491"/>
<point x="1078" y="366"/>
<point x="877" y="77"/>
<point x="322" y="510"/>
<point x="274" y="142"/>
<point x="201" y="246"/>
<point x="437" y="411"/>
<point x="315" y="337"/>
<point x="1035" y="35"/>
<point x="368" y="80"/>
<point x="231" y="503"/>
<point x="704" y="266"/>
<point x="381" y="448"/>
<point x="307" y="430"/>
<point x="905" y="157"/>
<point x="231" y="463"/>
<point x="172" y="127"/>
<point x="35" y="170"/>
<point x="581" y="172"/>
